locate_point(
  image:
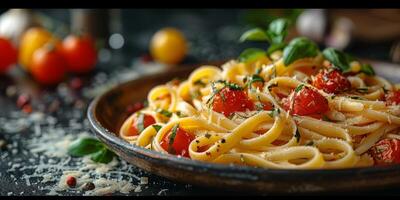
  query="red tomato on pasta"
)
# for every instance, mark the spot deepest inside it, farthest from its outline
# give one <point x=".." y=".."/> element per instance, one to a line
<point x="306" y="102"/>
<point x="331" y="81"/>
<point x="228" y="101"/>
<point x="386" y="151"/>
<point x="180" y="142"/>
<point x="393" y="97"/>
<point x="137" y="124"/>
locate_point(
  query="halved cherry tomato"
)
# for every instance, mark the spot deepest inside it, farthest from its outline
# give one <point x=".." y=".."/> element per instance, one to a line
<point x="228" y="101"/>
<point x="306" y="102"/>
<point x="48" y="65"/>
<point x="80" y="53"/>
<point x="386" y="151"/>
<point x="331" y="81"/>
<point x="180" y="144"/>
<point x="8" y="55"/>
<point x="393" y="98"/>
<point x="148" y="120"/>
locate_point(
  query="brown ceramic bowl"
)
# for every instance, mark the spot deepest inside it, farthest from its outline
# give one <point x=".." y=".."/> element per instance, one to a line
<point x="107" y="112"/>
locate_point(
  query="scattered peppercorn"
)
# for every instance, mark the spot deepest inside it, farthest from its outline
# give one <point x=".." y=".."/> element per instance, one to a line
<point x="71" y="181"/>
<point x="89" y="186"/>
<point x="76" y="83"/>
<point x="23" y="100"/>
<point x="27" y="108"/>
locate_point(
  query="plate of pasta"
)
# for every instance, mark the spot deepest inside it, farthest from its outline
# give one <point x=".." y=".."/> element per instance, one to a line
<point x="294" y="118"/>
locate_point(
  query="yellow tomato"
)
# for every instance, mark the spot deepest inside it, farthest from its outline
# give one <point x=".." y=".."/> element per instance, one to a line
<point x="168" y="46"/>
<point x="33" y="39"/>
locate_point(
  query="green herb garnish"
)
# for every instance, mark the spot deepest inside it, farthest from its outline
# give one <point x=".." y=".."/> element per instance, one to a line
<point x="299" y="48"/>
<point x="297" y="136"/>
<point x="172" y="137"/>
<point x="367" y="69"/>
<point x="254" y="78"/>
<point x="299" y="87"/>
<point x="156" y="127"/>
<point x="362" y="90"/>
<point x="251" y="54"/>
<point x="90" y="146"/>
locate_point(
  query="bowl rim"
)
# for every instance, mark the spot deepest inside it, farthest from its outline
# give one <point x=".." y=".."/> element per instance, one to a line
<point x="222" y="170"/>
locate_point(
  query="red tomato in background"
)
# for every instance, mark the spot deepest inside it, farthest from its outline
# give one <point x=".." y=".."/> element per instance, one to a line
<point x="147" y="121"/>
<point x="331" y="81"/>
<point x="48" y="66"/>
<point x="180" y="145"/>
<point x="393" y="97"/>
<point x="386" y="151"/>
<point x="80" y="53"/>
<point x="306" y="102"/>
<point x="228" y="101"/>
<point x="8" y="55"/>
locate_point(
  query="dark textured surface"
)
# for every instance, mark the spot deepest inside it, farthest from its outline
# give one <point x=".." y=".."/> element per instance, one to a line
<point x="213" y="35"/>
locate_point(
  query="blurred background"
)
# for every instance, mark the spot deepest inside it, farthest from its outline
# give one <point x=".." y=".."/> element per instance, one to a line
<point x="212" y="34"/>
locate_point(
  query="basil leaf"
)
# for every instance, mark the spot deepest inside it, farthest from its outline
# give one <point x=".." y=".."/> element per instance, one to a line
<point x="140" y="122"/>
<point x="278" y="30"/>
<point x="255" y="34"/>
<point x="84" y="146"/>
<point x="251" y="54"/>
<point x="103" y="156"/>
<point x="338" y="59"/>
<point x="299" y="48"/>
<point x="367" y="69"/>
<point x="157" y="127"/>
<point x="164" y="112"/>
<point x="274" y="47"/>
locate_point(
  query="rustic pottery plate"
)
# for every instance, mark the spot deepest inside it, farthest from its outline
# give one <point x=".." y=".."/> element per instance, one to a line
<point x="108" y="111"/>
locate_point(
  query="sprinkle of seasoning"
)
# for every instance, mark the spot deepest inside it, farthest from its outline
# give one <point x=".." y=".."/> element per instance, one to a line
<point x="199" y="82"/>
<point x="355" y="97"/>
<point x="223" y="140"/>
<point x="164" y="112"/>
<point x="299" y="87"/>
<point x="362" y="90"/>
<point x="297" y="135"/>
<point x="325" y="118"/>
<point x="208" y="153"/>
<point x="207" y="135"/>
<point x="197" y="141"/>
<point x="310" y="143"/>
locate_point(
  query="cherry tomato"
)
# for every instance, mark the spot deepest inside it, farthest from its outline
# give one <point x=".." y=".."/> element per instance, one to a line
<point x="306" y="102"/>
<point x="386" y="151"/>
<point x="168" y="46"/>
<point x="393" y="97"/>
<point x="228" y="101"/>
<point x="48" y="65"/>
<point x="148" y="120"/>
<point x="80" y="53"/>
<point x="8" y="55"/>
<point x="33" y="39"/>
<point x="331" y="81"/>
<point x="180" y="145"/>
